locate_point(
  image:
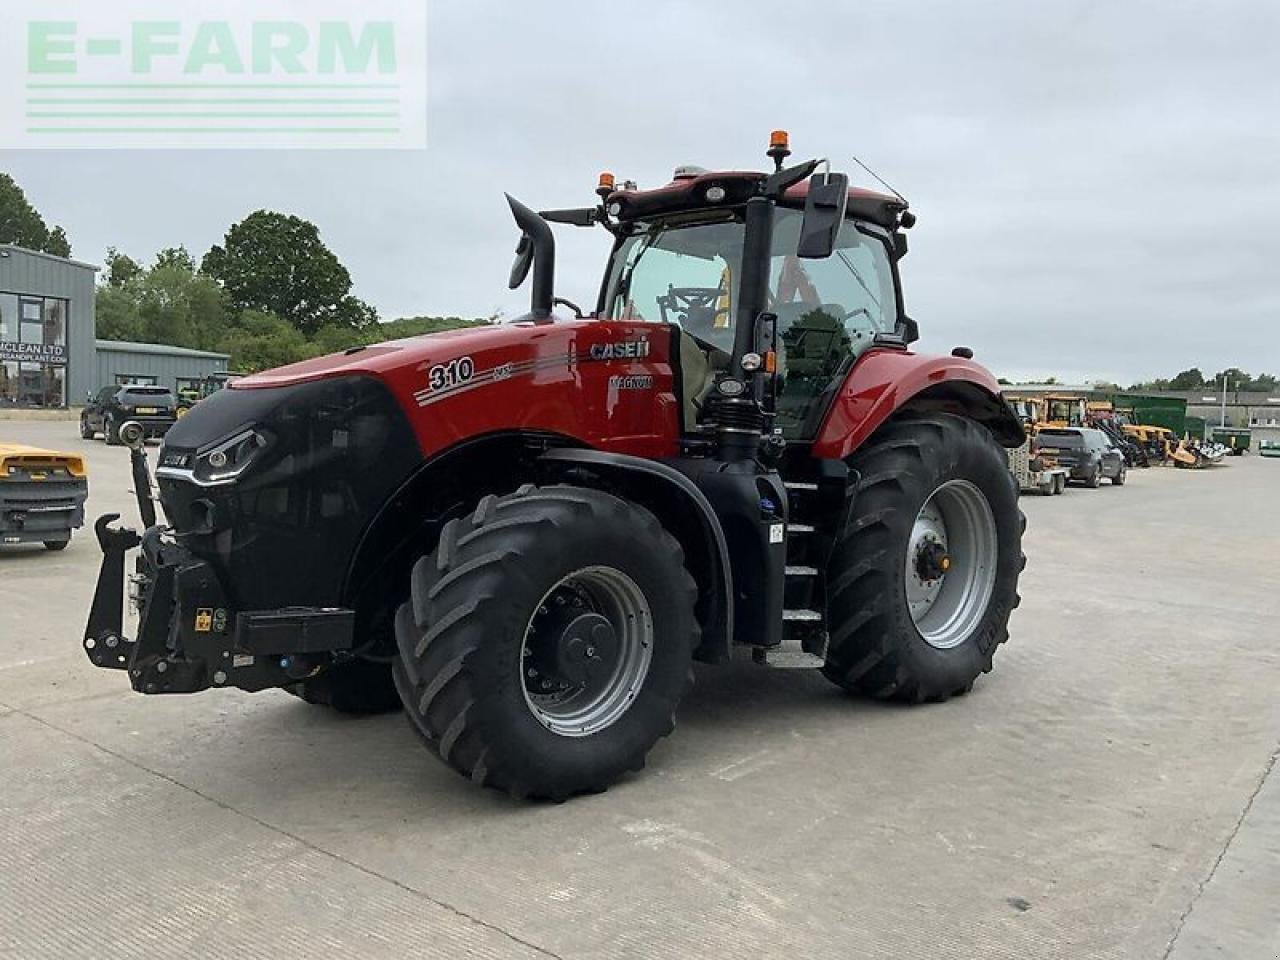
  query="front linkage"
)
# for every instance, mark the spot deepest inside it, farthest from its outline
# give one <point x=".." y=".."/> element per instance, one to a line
<point x="189" y="637"/>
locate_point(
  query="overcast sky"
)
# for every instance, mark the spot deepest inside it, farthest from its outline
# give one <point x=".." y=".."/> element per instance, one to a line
<point x="1098" y="183"/>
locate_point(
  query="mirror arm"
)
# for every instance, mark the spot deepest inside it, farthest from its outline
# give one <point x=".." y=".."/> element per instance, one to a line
<point x="776" y="184"/>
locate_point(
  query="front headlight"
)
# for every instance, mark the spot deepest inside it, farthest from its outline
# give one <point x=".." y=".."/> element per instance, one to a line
<point x="228" y="459"/>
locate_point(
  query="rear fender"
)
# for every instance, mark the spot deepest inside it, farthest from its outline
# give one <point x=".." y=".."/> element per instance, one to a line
<point x="885" y="383"/>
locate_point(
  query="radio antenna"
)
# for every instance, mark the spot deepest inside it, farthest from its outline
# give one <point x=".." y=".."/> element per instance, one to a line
<point x="880" y="179"/>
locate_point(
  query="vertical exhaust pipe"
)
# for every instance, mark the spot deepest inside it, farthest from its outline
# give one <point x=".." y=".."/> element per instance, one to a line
<point x="542" y="248"/>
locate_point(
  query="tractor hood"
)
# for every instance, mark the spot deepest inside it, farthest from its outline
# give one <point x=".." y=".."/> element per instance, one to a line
<point x="382" y="359"/>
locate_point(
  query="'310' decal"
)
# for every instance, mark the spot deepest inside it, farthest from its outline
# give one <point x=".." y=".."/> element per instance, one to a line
<point x="456" y="372"/>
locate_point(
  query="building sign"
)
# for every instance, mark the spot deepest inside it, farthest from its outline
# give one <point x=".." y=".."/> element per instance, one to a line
<point x="52" y="354"/>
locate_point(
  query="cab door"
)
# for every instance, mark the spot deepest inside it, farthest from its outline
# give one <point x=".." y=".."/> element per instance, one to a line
<point x="830" y="312"/>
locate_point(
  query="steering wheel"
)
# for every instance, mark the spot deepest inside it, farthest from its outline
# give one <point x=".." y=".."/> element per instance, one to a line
<point x="693" y="306"/>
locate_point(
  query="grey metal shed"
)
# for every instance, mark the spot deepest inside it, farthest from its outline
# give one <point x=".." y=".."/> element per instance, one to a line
<point x="165" y="366"/>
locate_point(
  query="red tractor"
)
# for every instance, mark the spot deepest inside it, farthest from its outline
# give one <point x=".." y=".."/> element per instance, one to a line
<point x="526" y="533"/>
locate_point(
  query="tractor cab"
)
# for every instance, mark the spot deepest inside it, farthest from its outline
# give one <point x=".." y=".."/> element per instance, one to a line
<point x="774" y="284"/>
<point x="684" y="269"/>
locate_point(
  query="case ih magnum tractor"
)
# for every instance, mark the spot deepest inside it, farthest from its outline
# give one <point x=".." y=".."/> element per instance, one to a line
<point x="526" y="533"/>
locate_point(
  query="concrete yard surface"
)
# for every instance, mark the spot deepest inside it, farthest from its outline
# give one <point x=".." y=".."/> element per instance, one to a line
<point x="1108" y="791"/>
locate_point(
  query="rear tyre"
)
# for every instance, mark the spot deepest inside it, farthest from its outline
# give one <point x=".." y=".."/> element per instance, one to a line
<point x="548" y="641"/>
<point x="1118" y="479"/>
<point x="355" y="687"/>
<point x="111" y="432"/>
<point x="924" y="575"/>
<point x="56" y="545"/>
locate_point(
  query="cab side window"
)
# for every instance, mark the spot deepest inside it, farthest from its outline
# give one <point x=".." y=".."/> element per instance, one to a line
<point x="829" y="312"/>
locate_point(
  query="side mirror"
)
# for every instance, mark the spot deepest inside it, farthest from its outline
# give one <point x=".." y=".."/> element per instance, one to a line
<point x="824" y="209"/>
<point x="88" y="396"/>
<point x="524" y="260"/>
<point x="910" y="329"/>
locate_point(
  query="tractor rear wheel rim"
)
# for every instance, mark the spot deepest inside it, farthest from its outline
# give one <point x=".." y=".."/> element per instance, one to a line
<point x="951" y="564"/>
<point x="586" y="651"/>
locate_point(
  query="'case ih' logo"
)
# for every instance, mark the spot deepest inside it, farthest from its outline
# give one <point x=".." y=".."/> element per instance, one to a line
<point x="621" y="350"/>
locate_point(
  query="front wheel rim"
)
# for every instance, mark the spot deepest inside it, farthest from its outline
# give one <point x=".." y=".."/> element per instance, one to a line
<point x="586" y="651"/>
<point x="951" y="564"/>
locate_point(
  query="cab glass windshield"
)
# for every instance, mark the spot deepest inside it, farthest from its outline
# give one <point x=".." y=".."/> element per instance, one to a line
<point x="685" y="272"/>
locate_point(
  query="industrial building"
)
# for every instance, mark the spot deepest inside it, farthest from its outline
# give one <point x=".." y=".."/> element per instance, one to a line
<point x="50" y="357"/>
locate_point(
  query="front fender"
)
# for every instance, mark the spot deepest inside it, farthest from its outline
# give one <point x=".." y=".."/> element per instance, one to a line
<point x="885" y="382"/>
<point x="687" y="514"/>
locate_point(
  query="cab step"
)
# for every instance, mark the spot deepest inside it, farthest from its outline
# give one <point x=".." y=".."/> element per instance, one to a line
<point x="801" y="616"/>
<point x="788" y="655"/>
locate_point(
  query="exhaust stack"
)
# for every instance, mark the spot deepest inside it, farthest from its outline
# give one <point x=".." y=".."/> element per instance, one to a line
<point x="537" y="249"/>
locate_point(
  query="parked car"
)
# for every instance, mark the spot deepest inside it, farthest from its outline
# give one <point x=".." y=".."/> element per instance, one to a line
<point x="155" y="408"/>
<point x="1089" y="454"/>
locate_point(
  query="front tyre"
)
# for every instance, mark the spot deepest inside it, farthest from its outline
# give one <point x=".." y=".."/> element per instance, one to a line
<point x="924" y="575"/>
<point x="548" y="641"/>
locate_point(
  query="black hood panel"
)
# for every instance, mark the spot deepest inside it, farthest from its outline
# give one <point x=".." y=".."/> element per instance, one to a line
<point x="282" y="534"/>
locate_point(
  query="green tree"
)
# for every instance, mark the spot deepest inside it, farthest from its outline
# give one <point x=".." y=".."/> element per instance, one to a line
<point x="121" y="268"/>
<point x="117" y="314"/>
<point x="417" y="326"/>
<point x="22" y="225"/>
<point x="176" y="257"/>
<point x="259" y="341"/>
<point x="1236" y="379"/>
<point x="1191" y="379"/>
<point x="168" y="303"/>
<point x="58" y="244"/>
<point x="275" y="263"/>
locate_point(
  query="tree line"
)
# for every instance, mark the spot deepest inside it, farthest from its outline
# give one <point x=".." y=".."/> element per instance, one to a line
<point x="271" y="293"/>
<point x="1236" y="381"/>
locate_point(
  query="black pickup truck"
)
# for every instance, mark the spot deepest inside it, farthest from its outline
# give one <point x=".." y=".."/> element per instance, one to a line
<point x="155" y="408"/>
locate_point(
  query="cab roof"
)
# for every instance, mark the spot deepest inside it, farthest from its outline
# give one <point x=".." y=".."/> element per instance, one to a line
<point x="689" y="192"/>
